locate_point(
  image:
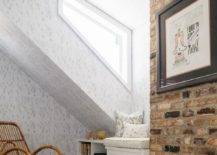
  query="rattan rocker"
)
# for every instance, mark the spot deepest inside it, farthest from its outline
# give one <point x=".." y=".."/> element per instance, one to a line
<point x="12" y="141"/>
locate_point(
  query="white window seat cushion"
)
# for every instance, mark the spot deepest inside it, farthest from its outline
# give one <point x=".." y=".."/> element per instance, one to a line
<point x="130" y="143"/>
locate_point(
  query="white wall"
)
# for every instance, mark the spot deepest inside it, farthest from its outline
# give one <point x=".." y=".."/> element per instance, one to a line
<point x="41" y="118"/>
<point x="135" y="15"/>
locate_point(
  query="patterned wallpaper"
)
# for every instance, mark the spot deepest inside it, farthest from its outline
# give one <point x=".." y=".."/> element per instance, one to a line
<point x="39" y="20"/>
<point x="41" y="118"/>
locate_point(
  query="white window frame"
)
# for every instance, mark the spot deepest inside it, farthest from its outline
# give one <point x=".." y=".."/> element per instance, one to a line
<point x="115" y="22"/>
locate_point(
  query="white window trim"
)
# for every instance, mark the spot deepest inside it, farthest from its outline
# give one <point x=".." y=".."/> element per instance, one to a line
<point x="129" y="31"/>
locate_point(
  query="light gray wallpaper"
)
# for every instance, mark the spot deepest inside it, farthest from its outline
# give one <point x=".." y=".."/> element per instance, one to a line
<point x="41" y="118"/>
<point x="39" y="20"/>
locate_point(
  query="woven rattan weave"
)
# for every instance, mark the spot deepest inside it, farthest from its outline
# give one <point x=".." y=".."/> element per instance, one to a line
<point x="12" y="141"/>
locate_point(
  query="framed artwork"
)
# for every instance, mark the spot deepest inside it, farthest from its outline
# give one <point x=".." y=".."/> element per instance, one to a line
<point x="187" y="44"/>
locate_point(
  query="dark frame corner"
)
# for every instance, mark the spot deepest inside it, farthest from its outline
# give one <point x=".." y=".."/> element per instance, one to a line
<point x="193" y="78"/>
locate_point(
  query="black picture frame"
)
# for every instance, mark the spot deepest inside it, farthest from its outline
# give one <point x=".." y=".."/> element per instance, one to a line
<point x="195" y="77"/>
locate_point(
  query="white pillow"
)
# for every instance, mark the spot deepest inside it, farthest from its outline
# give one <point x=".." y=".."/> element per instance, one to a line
<point x="121" y="118"/>
<point x="135" y="131"/>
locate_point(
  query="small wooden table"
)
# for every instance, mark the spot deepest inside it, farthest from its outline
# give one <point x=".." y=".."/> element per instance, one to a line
<point x="90" y="147"/>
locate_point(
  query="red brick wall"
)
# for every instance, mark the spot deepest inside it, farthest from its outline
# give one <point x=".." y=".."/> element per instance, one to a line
<point x="184" y="120"/>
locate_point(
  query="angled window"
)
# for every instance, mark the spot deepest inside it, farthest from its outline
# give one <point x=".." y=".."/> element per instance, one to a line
<point x="109" y="39"/>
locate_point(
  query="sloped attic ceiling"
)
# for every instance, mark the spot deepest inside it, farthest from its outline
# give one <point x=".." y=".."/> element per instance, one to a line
<point x="40" y="22"/>
<point x="42" y="70"/>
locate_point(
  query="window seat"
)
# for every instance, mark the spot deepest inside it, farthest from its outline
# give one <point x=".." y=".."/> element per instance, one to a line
<point x="131" y="143"/>
<point x="127" y="146"/>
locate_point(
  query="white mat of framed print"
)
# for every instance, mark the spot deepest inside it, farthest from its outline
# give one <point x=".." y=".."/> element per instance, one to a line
<point x="188" y="39"/>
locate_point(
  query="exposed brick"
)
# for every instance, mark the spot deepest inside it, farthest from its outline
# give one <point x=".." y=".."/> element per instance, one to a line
<point x="188" y="113"/>
<point x="186" y="94"/>
<point x="153" y="56"/>
<point x="172" y="96"/>
<point x="153" y="46"/>
<point x="201" y="131"/>
<point x="158" y="123"/>
<point x="161" y="140"/>
<point x="164" y="106"/>
<point x="153" y="77"/>
<point x="157" y="115"/>
<point x="153" y="32"/>
<point x="203" y="91"/>
<point x="153" y="140"/>
<point x="155" y="131"/>
<point x="156" y="6"/>
<point x="172" y="131"/>
<point x="177" y="131"/>
<point x="201" y="122"/>
<point x="187" y="140"/>
<point x="153" y="70"/>
<point x="177" y="105"/>
<point x="206" y="111"/>
<point x="212" y="90"/>
<point x="187" y="150"/>
<point x="176" y="122"/>
<point x="188" y="131"/>
<point x="153" y="92"/>
<point x="155" y="153"/>
<point x="194" y="129"/>
<point x="156" y="147"/>
<point x="212" y="141"/>
<point x="213" y="121"/>
<point x="157" y="98"/>
<point x="197" y="103"/>
<point x="211" y="101"/>
<point x="199" y="141"/>
<point x="153" y="107"/>
<point x="213" y="131"/>
<point x="172" y="114"/>
<point x="190" y="104"/>
<point x="204" y="151"/>
<point x="188" y="121"/>
<point x="170" y="148"/>
<point x="177" y="141"/>
<point x="197" y="93"/>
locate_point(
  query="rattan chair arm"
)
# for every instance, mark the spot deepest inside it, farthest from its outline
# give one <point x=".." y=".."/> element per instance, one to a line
<point x="6" y="143"/>
<point x="16" y="149"/>
<point x="58" y="152"/>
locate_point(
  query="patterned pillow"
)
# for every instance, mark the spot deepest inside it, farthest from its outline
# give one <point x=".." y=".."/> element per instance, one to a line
<point x="135" y="131"/>
<point x="121" y="118"/>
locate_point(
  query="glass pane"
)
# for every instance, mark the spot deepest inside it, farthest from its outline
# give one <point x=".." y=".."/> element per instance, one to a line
<point x="110" y="42"/>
